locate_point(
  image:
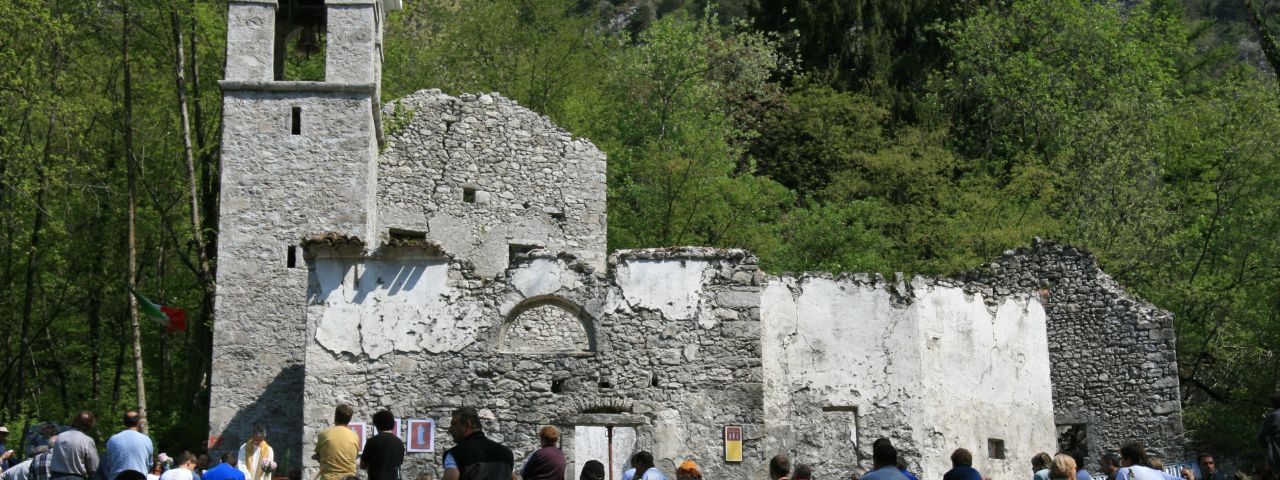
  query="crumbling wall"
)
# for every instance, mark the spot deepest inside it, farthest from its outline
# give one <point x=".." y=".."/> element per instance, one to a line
<point x="479" y="174"/>
<point x="1113" y="355"/>
<point x="669" y="365"/>
<point x="855" y="358"/>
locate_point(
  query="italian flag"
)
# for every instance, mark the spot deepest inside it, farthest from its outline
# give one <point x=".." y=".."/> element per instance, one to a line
<point x="173" y="319"/>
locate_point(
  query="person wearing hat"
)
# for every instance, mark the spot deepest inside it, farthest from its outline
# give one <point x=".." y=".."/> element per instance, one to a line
<point x="688" y="471"/>
<point x="6" y="456"/>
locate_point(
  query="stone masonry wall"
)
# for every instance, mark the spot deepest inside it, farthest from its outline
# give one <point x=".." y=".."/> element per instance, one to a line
<point x="1114" y="356"/>
<point x="675" y="344"/>
<point x="258" y="337"/>
<point x="480" y="173"/>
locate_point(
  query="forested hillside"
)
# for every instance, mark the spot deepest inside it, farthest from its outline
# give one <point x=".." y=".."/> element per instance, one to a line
<point x="852" y="135"/>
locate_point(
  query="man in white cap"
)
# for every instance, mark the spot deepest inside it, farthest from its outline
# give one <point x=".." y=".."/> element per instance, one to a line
<point x="6" y="455"/>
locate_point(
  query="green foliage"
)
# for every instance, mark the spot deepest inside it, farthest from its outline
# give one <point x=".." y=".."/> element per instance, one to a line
<point x="677" y="176"/>
<point x="923" y="136"/>
<point x="62" y="209"/>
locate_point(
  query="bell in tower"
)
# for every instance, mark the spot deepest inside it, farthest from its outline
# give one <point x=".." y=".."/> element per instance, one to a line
<point x="300" y="40"/>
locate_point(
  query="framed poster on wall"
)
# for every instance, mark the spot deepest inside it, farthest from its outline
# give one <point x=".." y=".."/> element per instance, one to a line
<point x="359" y="428"/>
<point x="733" y="443"/>
<point x="421" y="435"/>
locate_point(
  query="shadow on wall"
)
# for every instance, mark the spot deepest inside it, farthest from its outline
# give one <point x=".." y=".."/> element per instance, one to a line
<point x="278" y="408"/>
<point x="357" y="280"/>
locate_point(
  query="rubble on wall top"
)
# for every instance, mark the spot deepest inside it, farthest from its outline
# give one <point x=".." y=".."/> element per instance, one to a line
<point x="683" y="253"/>
<point x="430" y="246"/>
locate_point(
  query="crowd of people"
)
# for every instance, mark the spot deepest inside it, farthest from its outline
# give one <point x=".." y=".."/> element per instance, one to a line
<point x="130" y="455"/>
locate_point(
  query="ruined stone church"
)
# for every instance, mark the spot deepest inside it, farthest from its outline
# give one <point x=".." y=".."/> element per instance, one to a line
<point x="460" y="259"/>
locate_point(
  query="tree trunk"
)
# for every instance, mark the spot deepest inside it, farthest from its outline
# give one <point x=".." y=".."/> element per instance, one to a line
<point x="33" y="256"/>
<point x="201" y="335"/>
<point x="132" y="166"/>
<point x="58" y="369"/>
<point x="1270" y="49"/>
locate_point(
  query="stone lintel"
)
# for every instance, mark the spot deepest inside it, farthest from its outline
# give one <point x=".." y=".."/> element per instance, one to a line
<point x="294" y="86"/>
<point x="605" y="419"/>
<point x="273" y="3"/>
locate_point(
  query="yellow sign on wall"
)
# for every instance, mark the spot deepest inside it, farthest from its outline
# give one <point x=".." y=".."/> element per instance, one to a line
<point x="733" y="443"/>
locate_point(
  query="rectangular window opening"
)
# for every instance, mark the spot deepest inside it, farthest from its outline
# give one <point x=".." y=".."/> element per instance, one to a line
<point x="995" y="448"/>
<point x="292" y="258"/>
<point x="405" y="235"/>
<point x="468" y="195"/>
<point x="295" y="125"/>
<point x="516" y="249"/>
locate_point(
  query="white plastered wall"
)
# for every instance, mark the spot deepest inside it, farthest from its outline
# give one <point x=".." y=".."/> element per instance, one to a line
<point x="930" y="367"/>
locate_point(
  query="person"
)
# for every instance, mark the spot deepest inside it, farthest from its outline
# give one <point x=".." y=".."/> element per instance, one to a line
<point x="184" y="468"/>
<point x="962" y="466"/>
<point x="902" y="467"/>
<point x="642" y="468"/>
<point x="40" y="461"/>
<point x="884" y="459"/>
<point x="1040" y="466"/>
<point x="7" y="459"/>
<point x="383" y="453"/>
<point x="202" y="465"/>
<point x="779" y="467"/>
<point x="1109" y="464"/>
<point x="226" y="470"/>
<point x="547" y="462"/>
<point x="1063" y="467"/>
<point x="1082" y="473"/>
<point x="22" y="471"/>
<point x="1206" y="469"/>
<point x="337" y="446"/>
<point x="1133" y="464"/>
<point x="254" y="454"/>
<point x="592" y="470"/>
<point x="688" y="471"/>
<point x="129" y="452"/>
<point x="75" y="454"/>
<point x="802" y="472"/>
<point x="474" y="456"/>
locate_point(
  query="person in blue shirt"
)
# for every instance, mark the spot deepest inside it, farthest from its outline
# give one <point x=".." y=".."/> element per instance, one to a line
<point x="1040" y="466"/>
<point x="224" y="471"/>
<point x="885" y="459"/>
<point x="1134" y="464"/>
<point x="642" y="468"/>
<point x="1082" y="472"/>
<point x="6" y="455"/>
<point x="962" y="467"/>
<point x="129" y="452"/>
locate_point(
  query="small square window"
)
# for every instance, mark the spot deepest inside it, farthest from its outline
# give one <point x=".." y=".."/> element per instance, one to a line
<point x="468" y="195"/>
<point x="995" y="448"/>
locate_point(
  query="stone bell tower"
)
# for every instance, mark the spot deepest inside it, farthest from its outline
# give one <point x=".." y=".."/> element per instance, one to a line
<point x="299" y="158"/>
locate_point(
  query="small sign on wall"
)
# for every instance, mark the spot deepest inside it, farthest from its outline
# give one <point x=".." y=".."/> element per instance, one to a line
<point x="421" y="435"/>
<point x="733" y="443"/>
